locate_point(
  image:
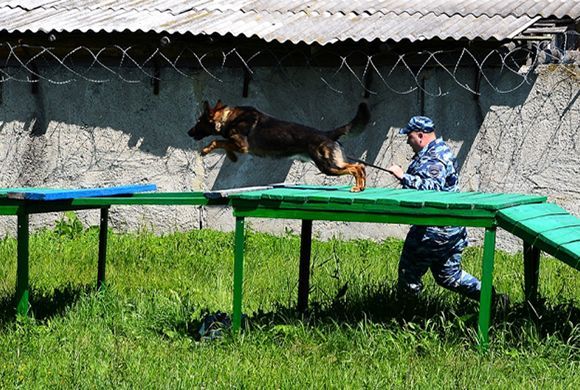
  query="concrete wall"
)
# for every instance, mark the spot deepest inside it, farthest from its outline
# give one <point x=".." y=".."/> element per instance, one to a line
<point x="512" y="138"/>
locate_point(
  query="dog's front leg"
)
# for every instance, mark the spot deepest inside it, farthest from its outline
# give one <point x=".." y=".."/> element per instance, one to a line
<point x="215" y="144"/>
<point x="227" y="145"/>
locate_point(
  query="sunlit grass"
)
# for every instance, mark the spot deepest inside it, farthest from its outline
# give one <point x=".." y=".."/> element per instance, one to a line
<point x="141" y="331"/>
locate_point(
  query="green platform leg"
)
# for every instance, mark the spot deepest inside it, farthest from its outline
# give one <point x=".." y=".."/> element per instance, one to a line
<point x="103" y="230"/>
<point x="531" y="272"/>
<point x="23" y="236"/>
<point x="238" y="274"/>
<point x="304" y="270"/>
<point x="486" y="288"/>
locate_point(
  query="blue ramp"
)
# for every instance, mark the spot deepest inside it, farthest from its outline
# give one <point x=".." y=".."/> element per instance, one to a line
<point x="45" y="194"/>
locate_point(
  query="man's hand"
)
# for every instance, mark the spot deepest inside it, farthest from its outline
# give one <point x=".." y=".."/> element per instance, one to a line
<point x="396" y="171"/>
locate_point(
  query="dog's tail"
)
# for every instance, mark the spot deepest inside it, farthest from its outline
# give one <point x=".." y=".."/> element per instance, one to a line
<point x="355" y="126"/>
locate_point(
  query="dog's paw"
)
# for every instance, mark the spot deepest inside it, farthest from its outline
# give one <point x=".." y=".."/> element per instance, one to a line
<point x="357" y="189"/>
<point x="205" y="151"/>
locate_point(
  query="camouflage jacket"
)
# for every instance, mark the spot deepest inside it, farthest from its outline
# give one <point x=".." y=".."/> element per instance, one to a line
<point x="434" y="168"/>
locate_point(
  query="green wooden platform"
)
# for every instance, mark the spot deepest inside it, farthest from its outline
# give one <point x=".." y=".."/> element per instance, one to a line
<point x="380" y="205"/>
<point x="22" y="202"/>
<point x="542" y="226"/>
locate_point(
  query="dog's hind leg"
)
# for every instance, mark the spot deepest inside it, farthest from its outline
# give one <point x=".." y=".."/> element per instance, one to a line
<point x="329" y="159"/>
<point x="359" y="173"/>
<point x="355" y="169"/>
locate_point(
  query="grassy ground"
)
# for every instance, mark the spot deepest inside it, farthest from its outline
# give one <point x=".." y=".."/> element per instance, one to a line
<point x="143" y="330"/>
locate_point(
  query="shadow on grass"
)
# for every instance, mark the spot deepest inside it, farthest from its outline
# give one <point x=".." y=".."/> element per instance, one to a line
<point x="383" y="306"/>
<point x="452" y="320"/>
<point x="43" y="305"/>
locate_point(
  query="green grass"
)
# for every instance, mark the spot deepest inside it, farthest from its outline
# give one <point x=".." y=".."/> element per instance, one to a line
<point x="142" y="330"/>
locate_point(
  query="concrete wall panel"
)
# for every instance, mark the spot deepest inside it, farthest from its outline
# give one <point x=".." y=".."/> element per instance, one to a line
<point x="512" y="137"/>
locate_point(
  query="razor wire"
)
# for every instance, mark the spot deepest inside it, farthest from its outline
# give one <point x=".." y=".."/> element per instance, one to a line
<point x="22" y="61"/>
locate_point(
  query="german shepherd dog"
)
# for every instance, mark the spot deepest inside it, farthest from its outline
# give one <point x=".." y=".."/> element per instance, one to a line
<point x="247" y="130"/>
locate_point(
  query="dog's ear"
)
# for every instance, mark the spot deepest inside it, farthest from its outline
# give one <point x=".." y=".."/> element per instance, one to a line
<point x="219" y="105"/>
<point x="206" y="106"/>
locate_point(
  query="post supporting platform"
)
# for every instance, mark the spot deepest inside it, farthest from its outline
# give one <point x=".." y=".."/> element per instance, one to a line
<point x="304" y="270"/>
<point x="22" y="289"/>
<point x="486" y="288"/>
<point x="238" y="274"/>
<point x="531" y="272"/>
<point x="103" y="230"/>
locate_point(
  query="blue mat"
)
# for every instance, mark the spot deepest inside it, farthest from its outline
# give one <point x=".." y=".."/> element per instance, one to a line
<point x="61" y="194"/>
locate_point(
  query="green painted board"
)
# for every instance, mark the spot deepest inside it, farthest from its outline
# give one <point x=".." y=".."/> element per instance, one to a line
<point x="454" y="197"/>
<point x="565" y="255"/>
<point x="392" y="196"/>
<point x="461" y="199"/>
<point x="573" y="248"/>
<point x="368" y="196"/>
<point x="312" y="187"/>
<point x="273" y="196"/>
<point x="570" y="253"/>
<point x="548" y="227"/>
<point x="449" y="197"/>
<point x="9" y="209"/>
<point x="529" y="211"/>
<point x="509" y="200"/>
<point x="349" y="216"/>
<point x="548" y="222"/>
<point x="275" y="206"/>
<point x="560" y="236"/>
<point x="372" y="195"/>
<point x="280" y="192"/>
<point x="292" y="192"/>
<point x="318" y="197"/>
<point x="485" y="201"/>
<point x="300" y="196"/>
<point x="409" y="198"/>
<point x="158" y="198"/>
<point x="529" y="218"/>
<point x="470" y="200"/>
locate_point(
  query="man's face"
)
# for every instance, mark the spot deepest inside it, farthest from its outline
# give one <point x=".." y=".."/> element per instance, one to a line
<point x="415" y="140"/>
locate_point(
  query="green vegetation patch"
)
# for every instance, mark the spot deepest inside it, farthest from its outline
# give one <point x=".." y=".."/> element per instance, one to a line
<point x="142" y="330"/>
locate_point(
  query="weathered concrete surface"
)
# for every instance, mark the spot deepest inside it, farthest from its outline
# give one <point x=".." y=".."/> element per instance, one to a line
<point x="508" y="139"/>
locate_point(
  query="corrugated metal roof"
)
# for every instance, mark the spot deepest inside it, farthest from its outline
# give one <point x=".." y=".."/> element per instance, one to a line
<point x="532" y="8"/>
<point x="289" y="20"/>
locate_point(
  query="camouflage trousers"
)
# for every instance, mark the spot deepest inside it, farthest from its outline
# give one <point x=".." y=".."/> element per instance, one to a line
<point x="438" y="249"/>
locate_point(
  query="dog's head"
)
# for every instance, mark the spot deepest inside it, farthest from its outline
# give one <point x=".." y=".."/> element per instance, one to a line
<point x="209" y="122"/>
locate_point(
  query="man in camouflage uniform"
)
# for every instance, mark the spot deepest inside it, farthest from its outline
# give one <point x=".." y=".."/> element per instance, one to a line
<point x="434" y="167"/>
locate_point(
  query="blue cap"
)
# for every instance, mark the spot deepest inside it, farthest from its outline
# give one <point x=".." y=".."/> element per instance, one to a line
<point x="418" y="123"/>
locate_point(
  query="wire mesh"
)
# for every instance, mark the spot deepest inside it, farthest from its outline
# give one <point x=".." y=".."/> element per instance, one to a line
<point x="22" y="62"/>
